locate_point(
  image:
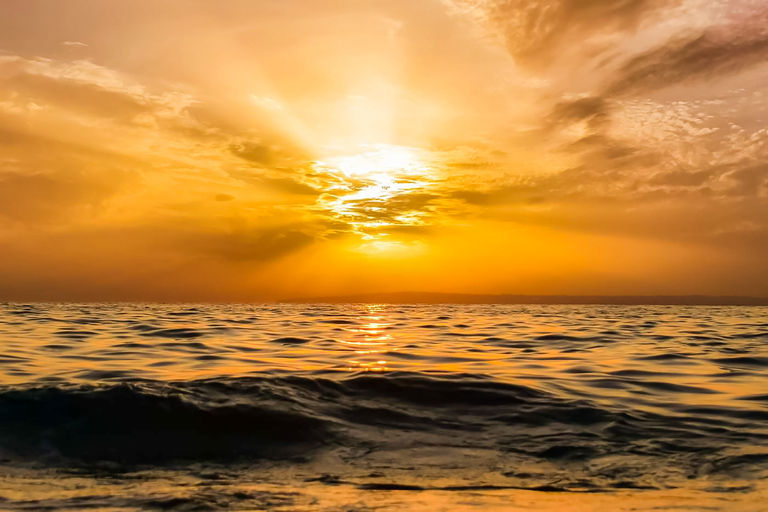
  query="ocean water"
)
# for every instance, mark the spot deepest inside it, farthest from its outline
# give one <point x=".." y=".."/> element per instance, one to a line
<point x="383" y="407"/>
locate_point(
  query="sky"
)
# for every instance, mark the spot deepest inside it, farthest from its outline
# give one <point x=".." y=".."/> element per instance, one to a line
<point x="255" y="150"/>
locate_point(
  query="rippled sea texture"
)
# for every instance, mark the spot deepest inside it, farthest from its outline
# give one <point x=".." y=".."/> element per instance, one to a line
<point x="356" y="407"/>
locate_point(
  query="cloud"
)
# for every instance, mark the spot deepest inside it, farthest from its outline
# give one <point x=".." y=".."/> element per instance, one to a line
<point x="702" y="206"/>
<point x="287" y="186"/>
<point x="255" y="245"/>
<point x="716" y="53"/>
<point x="254" y="152"/>
<point x="70" y="72"/>
<point x="679" y="178"/>
<point x="747" y="181"/>
<point x="671" y="146"/>
<point x="55" y="196"/>
<point x="595" y="109"/>
<point x="75" y="95"/>
<point x="633" y="119"/>
<point x="536" y="32"/>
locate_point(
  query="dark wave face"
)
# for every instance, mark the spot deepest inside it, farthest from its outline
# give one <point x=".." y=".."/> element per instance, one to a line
<point x="243" y="407"/>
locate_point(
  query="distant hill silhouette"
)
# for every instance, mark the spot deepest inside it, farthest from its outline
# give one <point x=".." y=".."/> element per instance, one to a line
<point x="462" y="298"/>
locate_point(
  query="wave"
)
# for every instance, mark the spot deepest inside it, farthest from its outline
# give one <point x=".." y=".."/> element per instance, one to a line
<point x="292" y="418"/>
<point x="154" y="423"/>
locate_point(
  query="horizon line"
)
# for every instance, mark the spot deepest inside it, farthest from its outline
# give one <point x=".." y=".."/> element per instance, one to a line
<point x="554" y="299"/>
<point x="450" y="298"/>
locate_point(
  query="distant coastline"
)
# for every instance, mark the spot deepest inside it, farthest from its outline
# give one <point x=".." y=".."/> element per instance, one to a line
<point x="464" y="298"/>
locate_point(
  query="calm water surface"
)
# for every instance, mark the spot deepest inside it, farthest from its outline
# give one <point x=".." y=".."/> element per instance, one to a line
<point x="362" y="407"/>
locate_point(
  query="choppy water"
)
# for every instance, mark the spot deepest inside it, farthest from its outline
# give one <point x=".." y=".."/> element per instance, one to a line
<point x="354" y="407"/>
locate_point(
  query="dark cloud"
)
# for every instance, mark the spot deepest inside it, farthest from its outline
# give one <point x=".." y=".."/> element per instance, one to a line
<point x="747" y="181"/>
<point x="740" y="181"/>
<point x="477" y="197"/>
<point x="538" y="31"/>
<point x="389" y="209"/>
<point x="47" y="197"/>
<point x="593" y="109"/>
<point x="602" y="152"/>
<point x="507" y="195"/>
<point x="599" y="151"/>
<point x="224" y="197"/>
<point x="257" y="244"/>
<point x="719" y="52"/>
<point x="254" y="152"/>
<point x="613" y="170"/>
<point x="287" y="186"/>
<point x="716" y="53"/>
<point x="272" y="150"/>
<point x="679" y="178"/>
<point x="703" y="219"/>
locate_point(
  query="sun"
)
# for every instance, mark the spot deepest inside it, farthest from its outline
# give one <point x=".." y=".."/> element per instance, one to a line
<point x="378" y="159"/>
<point x="374" y="185"/>
<point x="380" y="172"/>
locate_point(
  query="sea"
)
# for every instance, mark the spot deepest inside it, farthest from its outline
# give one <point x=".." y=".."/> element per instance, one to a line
<point x="378" y="407"/>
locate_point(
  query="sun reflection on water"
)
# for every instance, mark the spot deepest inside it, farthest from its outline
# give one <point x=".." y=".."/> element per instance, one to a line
<point x="370" y="334"/>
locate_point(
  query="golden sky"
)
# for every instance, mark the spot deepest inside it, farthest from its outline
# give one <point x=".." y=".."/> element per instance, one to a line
<point x="254" y="150"/>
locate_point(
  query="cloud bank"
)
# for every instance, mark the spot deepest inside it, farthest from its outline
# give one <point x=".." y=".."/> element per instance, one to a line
<point x="251" y="152"/>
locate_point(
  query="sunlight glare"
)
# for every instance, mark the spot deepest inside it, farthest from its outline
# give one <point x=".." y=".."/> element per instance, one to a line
<point x="373" y="178"/>
<point x="378" y="159"/>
